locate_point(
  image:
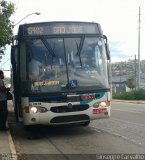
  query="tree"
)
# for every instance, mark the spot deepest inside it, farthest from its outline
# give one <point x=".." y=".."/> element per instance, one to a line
<point x="6" y="26"/>
<point x="131" y="82"/>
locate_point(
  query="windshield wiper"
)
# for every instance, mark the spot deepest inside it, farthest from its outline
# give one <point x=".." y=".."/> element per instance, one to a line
<point x="48" y="47"/>
<point x="79" y="48"/>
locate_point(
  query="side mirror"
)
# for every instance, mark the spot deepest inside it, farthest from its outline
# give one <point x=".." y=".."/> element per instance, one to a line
<point x="107" y="48"/>
<point x="14" y="51"/>
<point x="107" y="51"/>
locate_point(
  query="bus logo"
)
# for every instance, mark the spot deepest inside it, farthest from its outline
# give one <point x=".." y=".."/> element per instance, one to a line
<point x="70" y="105"/>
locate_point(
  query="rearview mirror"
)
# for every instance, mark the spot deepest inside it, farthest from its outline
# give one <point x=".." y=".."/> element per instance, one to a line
<point x="107" y="48"/>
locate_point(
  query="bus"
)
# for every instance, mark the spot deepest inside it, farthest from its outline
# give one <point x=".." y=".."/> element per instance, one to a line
<point x="61" y="73"/>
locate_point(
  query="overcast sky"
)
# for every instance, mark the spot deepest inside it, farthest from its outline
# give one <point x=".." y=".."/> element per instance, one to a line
<point x="118" y="18"/>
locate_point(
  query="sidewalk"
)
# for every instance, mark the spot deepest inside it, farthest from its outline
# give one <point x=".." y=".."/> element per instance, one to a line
<point x="7" y="148"/>
<point x="4" y="142"/>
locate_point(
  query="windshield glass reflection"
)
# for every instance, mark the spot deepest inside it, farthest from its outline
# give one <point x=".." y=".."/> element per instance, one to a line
<point x="62" y="64"/>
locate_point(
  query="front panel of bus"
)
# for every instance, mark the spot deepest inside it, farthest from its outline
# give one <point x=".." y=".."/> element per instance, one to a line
<point x="63" y="79"/>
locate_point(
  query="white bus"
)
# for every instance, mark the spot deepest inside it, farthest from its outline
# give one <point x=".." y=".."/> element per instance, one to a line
<point x="61" y="73"/>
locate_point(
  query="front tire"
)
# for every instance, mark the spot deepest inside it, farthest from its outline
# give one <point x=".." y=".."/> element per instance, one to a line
<point x="86" y="123"/>
<point x="27" y="127"/>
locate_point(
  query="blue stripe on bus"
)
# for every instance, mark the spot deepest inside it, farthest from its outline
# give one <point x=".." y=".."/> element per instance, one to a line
<point x="46" y="98"/>
<point x="64" y="98"/>
<point x="97" y="96"/>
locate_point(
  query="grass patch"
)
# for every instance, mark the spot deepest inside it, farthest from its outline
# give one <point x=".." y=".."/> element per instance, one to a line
<point x="139" y="94"/>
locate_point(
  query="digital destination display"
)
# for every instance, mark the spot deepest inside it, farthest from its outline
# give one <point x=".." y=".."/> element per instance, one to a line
<point x="60" y="28"/>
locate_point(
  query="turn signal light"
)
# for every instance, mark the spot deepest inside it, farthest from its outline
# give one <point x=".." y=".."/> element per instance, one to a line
<point x="26" y="109"/>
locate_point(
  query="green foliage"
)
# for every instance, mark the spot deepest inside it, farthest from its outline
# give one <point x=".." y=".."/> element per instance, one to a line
<point x="132" y="95"/>
<point x="131" y="82"/>
<point x="140" y="94"/>
<point x="6" y="26"/>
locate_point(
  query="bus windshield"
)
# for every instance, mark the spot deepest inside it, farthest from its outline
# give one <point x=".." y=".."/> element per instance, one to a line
<point x="64" y="64"/>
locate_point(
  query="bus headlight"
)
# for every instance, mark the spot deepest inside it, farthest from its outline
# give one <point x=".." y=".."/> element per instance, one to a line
<point x="33" y="109"/>
<point x="103" y="104"/>
<point x="100" y="104"/>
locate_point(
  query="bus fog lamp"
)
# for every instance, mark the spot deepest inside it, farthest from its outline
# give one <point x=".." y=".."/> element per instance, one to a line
<point x="96" y="105"/>
<point x="33" y="109"/>
<point x="42" y="109"/>
<point x="33" y="119"/>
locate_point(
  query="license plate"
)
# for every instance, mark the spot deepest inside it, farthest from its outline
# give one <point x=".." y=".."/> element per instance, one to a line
<point x="99" y="110"/>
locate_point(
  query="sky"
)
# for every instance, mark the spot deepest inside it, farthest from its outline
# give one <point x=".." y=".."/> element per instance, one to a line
<point x="119" y="20"/>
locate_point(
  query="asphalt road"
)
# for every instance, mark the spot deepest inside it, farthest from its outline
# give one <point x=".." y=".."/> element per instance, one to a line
<point x="132" y="113"/>
<point x="127" y="121"/>
<point x="123" y="133"/>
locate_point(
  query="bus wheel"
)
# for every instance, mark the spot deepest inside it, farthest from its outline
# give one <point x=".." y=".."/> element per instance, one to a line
<point x="27" y="128"/>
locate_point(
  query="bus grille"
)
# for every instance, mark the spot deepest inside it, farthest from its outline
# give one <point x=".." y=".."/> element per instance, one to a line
<point x="74" y="108"/>
<point x="70" y="119"/>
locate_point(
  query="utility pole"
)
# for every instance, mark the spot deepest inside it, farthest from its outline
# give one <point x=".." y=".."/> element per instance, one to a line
<point x="139" y="49"/>
<point x="135" y="71"/>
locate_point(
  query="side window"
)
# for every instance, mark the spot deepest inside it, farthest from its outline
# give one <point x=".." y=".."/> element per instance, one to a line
<point x="23" y="61"/>
<point x="100" y="55"/>
<point x="14" y="56"/>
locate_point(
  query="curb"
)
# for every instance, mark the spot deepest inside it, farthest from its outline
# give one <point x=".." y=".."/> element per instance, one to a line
<point x="12" y="146"/>
<point x="13" y="153"/>
<point x="129" y="101"/>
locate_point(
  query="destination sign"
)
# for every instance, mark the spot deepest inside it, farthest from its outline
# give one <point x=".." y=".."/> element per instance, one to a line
<point x="60" y="28"/>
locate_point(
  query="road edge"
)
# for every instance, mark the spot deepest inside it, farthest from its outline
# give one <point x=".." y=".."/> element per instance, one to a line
<point x="129" y="101"/>
<point x="12" y="146"/>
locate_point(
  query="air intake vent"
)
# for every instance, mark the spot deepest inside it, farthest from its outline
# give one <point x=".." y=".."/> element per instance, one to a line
<point x="73" y="118"/>
<point x="74" y="108"/>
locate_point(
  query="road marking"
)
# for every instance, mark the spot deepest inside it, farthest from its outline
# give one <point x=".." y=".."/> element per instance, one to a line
<point x="108" y="130"/>
<point x="12" y="146"/>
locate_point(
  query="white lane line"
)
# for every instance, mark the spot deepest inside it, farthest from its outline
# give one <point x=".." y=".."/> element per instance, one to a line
<point x="107" y="130"/>
<point x="12" y="147"/>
